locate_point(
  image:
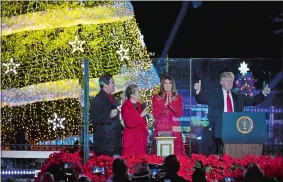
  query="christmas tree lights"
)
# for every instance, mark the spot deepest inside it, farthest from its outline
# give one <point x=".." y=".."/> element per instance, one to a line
<point x="47" y="42"/>
<point x="246" y="83"/>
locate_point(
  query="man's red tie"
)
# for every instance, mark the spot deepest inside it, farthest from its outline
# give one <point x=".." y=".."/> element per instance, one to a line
<point x="229" y="103"/>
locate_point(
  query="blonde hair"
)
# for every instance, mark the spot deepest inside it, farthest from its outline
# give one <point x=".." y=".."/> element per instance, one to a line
<point x="227" y="75"/>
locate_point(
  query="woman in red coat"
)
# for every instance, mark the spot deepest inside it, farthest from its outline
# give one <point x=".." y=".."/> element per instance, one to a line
<point x="167" y="108"/>
<point x="135" y="133"/>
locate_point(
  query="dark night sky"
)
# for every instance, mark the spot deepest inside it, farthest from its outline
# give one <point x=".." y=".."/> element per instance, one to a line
<point x="216" y="29"/>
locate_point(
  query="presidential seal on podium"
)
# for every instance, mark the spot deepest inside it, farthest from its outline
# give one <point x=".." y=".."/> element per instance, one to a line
<point x="245" y="124"/>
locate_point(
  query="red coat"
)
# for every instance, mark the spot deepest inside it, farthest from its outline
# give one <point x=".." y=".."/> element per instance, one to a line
<point x="135" y="133"/>
<point x="167" y="119"/>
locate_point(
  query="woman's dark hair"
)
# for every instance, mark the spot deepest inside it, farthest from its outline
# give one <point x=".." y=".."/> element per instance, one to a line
<point x="83" y="179"/>
<point x="104" y="80"/>
<point x="61" y="173"/>
<point x="172" y="81"/>
<point x="120" y="170"/>
<point x="199" y="175"/>
<point x="131" y="89"/>
<point x="171" y="164"/>
<point x="254" y="173"/>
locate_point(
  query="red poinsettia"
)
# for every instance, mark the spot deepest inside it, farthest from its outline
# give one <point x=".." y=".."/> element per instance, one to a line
<point x="132" y="160"/>
<point x="62" y="157"/>
<point x="216" y="167"/>
<point x="101" y="162"/>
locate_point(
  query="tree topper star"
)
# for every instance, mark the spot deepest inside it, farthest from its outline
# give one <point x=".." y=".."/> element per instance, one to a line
<point x="243" y="68"/>
<point x="77" y="45"/>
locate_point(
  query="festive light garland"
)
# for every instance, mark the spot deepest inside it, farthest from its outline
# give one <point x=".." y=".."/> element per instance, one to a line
<point x="63" y="89"/>
<point x="49" y="70"/>
<point x="57" y="18"/>
<point x="18" y="172"/>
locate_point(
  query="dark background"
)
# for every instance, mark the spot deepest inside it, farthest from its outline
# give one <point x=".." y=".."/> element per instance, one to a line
<point x="216" y="29"/>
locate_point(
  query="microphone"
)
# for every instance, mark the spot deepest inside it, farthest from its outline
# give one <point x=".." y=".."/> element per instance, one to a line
<point x="144" y="105"/>
<point x="115" y="106"/>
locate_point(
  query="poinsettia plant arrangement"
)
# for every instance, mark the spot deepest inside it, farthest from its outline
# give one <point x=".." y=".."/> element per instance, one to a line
<point x="225" y="166"/>
<point x="62" y="157"/>
<point x="272" y="167"/>
<point x="104" y="162"/>
<point x="216" y="168"/>
<point x="132" y="160"/>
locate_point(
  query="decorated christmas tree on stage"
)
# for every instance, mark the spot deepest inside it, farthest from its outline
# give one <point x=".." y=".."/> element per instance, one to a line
<point x="43" y="44"/>
<point x="245" y="80"/>
<point x="246" y="83"/>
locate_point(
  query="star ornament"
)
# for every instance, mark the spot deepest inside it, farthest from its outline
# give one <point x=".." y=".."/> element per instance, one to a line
<point x="243" y="68"/>
<point x="11" y="66"/>
<point x="123" y="53"/>
<point x="77" y="45"/>
<point x="57" y="122"/>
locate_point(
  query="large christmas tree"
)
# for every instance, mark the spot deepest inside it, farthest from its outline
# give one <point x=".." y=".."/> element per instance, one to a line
<point x="43" y="44"/>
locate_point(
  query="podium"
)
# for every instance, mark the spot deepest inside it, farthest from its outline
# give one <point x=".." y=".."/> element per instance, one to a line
<point x="165" y="146"/>
<point x="242" y="133"/>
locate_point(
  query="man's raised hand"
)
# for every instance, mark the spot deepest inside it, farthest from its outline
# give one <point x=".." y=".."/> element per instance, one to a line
<point x="266" y="90"/>
<point x="197" y="86"/>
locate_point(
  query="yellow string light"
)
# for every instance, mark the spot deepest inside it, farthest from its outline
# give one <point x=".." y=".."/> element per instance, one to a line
<point x="46" y="56"/>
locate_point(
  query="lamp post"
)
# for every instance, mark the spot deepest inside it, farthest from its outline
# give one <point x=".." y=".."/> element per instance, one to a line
<point x="84" y="100"/>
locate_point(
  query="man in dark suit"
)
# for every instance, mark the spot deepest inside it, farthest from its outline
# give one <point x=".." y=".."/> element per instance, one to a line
<point x="219" y="101"/>
<point x="105" y="119"/>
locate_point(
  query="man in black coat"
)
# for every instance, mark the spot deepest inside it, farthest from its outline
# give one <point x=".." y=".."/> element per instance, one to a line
<point x="105" y="119"/>
<point x="219" y="101"/>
